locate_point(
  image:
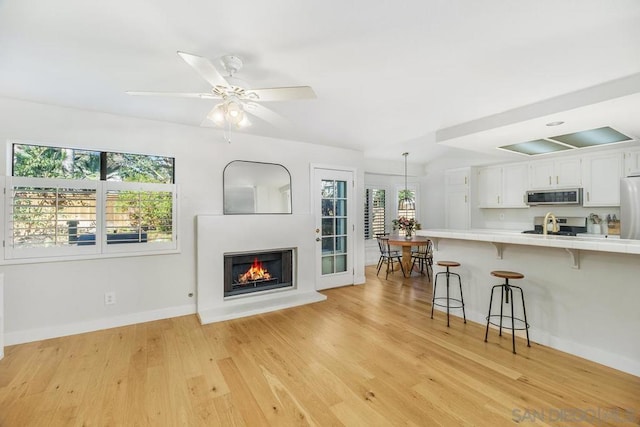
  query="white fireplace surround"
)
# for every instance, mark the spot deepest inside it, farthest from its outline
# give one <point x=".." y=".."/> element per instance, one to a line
<point x="220" y="234"/>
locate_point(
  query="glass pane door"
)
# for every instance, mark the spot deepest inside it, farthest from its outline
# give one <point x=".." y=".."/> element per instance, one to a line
<point x="333" y="201"/>
<point x="334" y="226"/>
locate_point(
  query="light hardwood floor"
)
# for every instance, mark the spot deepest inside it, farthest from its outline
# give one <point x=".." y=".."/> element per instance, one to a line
<point x="369" y="355"/>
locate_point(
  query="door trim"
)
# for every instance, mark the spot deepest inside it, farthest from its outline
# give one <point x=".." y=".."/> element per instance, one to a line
<point x="355" y="246"/>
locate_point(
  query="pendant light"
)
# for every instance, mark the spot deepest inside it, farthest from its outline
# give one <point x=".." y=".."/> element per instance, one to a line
<point x="406" y="203"/>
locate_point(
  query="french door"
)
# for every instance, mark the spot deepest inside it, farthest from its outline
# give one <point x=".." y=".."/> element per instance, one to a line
<point x="333" y="206"/>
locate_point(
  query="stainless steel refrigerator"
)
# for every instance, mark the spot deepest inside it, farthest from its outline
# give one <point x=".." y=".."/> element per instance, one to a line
<point x="630" y="208"/>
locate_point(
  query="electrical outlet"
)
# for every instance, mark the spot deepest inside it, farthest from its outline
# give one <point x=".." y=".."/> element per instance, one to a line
<point x="109" y="298"/>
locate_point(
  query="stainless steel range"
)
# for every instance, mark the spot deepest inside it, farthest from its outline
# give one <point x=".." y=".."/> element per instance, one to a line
<point x="569" y="226"/>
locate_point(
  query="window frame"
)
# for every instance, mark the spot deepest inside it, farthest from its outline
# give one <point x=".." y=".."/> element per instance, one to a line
<point x="14" y="255"/>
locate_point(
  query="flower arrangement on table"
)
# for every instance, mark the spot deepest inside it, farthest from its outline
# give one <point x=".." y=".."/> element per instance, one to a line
<point x="406" y="224"/>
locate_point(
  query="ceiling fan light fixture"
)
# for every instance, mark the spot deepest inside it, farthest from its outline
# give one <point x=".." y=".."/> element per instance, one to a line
<point x="234" y="94"/>
<point x="235" y="113"/>
<point x="217" y="115"/>
<point x="244" y="122"/>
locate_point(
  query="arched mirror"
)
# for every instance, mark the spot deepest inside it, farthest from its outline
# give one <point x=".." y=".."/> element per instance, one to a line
<point x="256" y="188"/>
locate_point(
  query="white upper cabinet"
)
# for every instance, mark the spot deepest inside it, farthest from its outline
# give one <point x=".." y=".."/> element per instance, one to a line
<point x="502" y="186"/>
<point x="515" y="179"/>
<point x="489" y="186"/>
<point x="632" y="162"/>
<point x="457" y="206"/>
<point x="601" y="175"/>
<point x="455" y="177"/>
<point x="558" y="173"/>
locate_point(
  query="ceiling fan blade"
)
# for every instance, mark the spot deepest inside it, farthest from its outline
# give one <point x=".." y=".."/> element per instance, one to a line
<point x="205" y="68"/>
<point x="267" y="115"/>
<point x="284" y="93"/>
<point x="175" y="94"/>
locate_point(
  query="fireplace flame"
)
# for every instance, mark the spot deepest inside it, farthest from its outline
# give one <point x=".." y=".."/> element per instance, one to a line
<point x="255" y="272"/>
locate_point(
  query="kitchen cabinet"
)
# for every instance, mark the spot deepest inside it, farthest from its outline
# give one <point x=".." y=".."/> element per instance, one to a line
<point x="503" y="186"/>
<point x="457" y="198"/>
<point x="601" y="175"/>
<point x="489" y="186"/>
<point x="631" y="162"/>
<point x="558" y="173"/>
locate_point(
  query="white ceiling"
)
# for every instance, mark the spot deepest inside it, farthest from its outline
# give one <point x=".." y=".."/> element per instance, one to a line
<point x="388" y="75"/>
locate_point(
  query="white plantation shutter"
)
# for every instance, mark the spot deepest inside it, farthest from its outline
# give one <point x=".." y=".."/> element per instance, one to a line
<point x="63" y="217"/>
<point x="45" y="216"/>
<point x="374" y="212"/>
<point x="378" y="208"/>
<point x="367" y="213"/>
<point x="140" y="214"/>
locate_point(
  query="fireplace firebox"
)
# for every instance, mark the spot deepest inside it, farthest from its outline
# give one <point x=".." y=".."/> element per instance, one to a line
<point x="257" y="271"/>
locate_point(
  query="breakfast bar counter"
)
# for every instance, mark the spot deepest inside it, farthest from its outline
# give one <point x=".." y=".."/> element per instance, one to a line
<point x="595" y="243"/>
<point x="571" y="244"/>
<point x="581" y="292"/>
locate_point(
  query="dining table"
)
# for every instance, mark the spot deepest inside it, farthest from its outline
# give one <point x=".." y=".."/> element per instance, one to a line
<point x="407" y="244"/>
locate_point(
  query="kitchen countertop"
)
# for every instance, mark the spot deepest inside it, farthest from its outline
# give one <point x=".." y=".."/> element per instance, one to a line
<point x="570" y="243"/>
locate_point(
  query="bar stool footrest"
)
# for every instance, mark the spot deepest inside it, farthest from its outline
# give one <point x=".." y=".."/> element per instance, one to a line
<point x="508" y="326"/>
<point x="455" y="300"/>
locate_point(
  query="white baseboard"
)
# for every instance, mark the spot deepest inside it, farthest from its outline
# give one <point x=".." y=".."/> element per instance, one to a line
<point x="244" y="309"/>
<point x="597" y="355"/>
<point x="20" y="337"/>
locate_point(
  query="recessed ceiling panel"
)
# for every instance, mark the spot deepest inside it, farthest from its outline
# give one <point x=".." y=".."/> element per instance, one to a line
<point x="589" y="138"/>
<point x="538" y="146"/>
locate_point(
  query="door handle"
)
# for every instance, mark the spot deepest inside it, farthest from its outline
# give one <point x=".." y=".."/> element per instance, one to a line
<point x="317" y="239"/>
<point x="317" y="230"/>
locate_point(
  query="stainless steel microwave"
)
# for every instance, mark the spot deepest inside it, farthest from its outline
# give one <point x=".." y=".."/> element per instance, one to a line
<point x="568" y="196"/>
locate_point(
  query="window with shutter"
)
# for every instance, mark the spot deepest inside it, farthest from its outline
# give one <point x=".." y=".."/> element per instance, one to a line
<point x="374" y="212"/>
<point x="68" y="202"/>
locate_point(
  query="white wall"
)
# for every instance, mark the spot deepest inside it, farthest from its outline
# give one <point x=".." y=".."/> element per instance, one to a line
<point x="51" y="299"/>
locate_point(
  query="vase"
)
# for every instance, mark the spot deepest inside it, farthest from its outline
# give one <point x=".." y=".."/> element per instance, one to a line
<point x="408" y="234"/>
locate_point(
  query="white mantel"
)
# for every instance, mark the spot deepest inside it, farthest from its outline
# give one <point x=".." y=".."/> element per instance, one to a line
<point x="220" y="234"/>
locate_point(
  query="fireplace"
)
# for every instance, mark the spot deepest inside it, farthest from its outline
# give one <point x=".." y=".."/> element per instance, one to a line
<point x="257" y="271"/>
<point x="218" y="237"/>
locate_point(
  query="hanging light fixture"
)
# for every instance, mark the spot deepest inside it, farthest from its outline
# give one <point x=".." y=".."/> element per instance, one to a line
<point x="406" y="203"/>
<point x="230" y="112"/>
<point x="228" y="115"/>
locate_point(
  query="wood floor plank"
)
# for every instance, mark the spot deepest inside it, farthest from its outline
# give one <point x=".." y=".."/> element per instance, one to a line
<point x="369" y="355"/>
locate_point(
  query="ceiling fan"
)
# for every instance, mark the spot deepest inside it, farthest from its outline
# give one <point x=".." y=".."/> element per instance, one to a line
<point x="236" y="98"/>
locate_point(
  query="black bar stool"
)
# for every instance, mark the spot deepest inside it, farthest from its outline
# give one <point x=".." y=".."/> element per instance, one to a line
<point x="458" y="303"/>
<point x="506" y="294"/>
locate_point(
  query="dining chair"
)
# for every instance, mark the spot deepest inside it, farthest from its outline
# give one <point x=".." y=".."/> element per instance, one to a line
<point x="387" y="255"/>
<point x="424" y="256"/>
